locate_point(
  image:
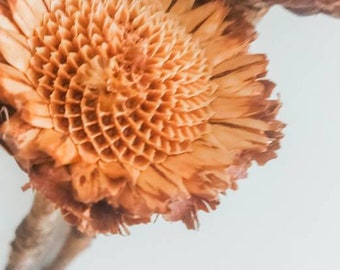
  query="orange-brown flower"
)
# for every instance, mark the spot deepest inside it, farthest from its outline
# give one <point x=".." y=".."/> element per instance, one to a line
<point x="120" y="110"/>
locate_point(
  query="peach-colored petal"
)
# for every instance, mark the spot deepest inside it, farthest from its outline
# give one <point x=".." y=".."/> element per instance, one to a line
<point x="19" y="139"/>
<point x="6" y="20"/>
<point x="57" y="146"/>
<point x="14" y="49"/>
<point x="181" y="6"/>
<point x="89" y="183"/>
<point x="27" y="14"/>
<point x="165" y="3"/>
<point x="14" y="86"/>
<point x="195" y="17"/>
<point x="207" y="29"/>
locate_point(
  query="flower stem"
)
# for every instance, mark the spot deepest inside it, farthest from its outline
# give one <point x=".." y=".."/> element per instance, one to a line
<point x="33" y="235"/>
<point x="75" y="243"/>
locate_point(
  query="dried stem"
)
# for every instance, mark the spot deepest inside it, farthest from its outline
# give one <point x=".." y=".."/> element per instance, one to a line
<point x="75" y="243"/>
<point x="33" y="235"/>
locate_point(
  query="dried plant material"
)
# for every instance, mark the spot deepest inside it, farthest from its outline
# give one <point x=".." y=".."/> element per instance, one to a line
<point x="75" y="243"/>
<point x="251" y="10"/>
<point x="33" y="235"/>
<point x="300" y="7"/>
<point x="309" y="7"/>
<point x="129" y="109"/>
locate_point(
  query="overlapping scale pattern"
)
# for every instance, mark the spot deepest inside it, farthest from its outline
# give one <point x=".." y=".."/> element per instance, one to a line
<point x="121" y="89"/>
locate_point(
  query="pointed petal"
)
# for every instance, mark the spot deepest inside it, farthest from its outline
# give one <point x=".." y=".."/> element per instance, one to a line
<point x="6" y="21"/>
<point x="246" y="88"/>
<point x="216" y="51"/>
<point x="165" y="4"/>
<point x="37" y="121"/>
<point x="132" y="173"/>
<point x="194" y="17"/>
<point x="226" y="108"/>
<point x="6" y="24"/>
<point x="242" y="74"/>
<point x="14" y="87"/>
<point x="237" y="138"/>
<point x="208" y="28"/>
<point x="112" y="170"/>
<point x="14" y="49"/>
<point x="27" y="14"/>
<point x="56" y="145"/>
<point x="206" y="154"/>
<point x="48" y="4"/>
<point x="89" y="183"/>
<point x="19" y="138"/>
<point x="181" y="6"/>
<point x="239" y="62"/>
<point x="153" y="182"/>
<point x="35" y="108"/>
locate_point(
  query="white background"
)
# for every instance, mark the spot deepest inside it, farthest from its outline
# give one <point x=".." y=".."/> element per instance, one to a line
<point x="286" y="215"/>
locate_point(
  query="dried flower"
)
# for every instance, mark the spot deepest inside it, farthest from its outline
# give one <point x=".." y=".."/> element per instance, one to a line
<point x="123" y="109"/>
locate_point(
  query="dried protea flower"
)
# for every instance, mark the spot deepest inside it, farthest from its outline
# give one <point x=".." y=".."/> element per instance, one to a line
<point x="120" y="109"/>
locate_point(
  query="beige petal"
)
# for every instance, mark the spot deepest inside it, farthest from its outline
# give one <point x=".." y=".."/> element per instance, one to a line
<point x="131" y="200"/>
<point x="19" y="136"/>
<point x="2" y="60"/>
<point x="6" y="24"/>
<point x="237" y="138"/>
<point x="226" y="108"/>
<point x="240" y="61"/>
<point x="174" y="178"/>
<point x="221" y="29"/>
<point x="5" y="19"/>
<point x="48" y="4"/>
<point x="206" y="154"/>
<point x="208" y="28"/>
<point x="89" y="183"/>
<point x="27" y="14"/>
<point x="37" y="120"/>
<point x="216" y="49"/>
<point x="154" y="182"/>
<point x="112" y="170"/>
<point x="132" y="173"/>
<point x="250" y="123"/>
<point x="238" y="76"/>
<point x="194" y="17"/>
<point x="58" y="146"/>
<point x="181" y="6"/>
<point x="165" y="3"/>
<point x="247" y="88"/>
<point x="14" y="87"/>
<point x="14" y="49"/>
<point x="37" y="109"/>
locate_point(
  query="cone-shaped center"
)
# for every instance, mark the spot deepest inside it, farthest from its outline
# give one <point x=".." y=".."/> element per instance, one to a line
<point x="126" y="82"/>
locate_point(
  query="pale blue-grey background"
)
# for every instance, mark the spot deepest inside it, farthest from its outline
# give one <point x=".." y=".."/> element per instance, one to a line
<point x="285" y="216"/>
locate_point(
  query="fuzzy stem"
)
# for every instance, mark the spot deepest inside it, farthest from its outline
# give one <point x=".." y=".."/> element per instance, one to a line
<point x="33" y="235"/>
<point x="75" y="243"/>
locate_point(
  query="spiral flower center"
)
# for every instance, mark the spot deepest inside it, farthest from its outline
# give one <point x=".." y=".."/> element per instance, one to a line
<point x="124" y="81"/>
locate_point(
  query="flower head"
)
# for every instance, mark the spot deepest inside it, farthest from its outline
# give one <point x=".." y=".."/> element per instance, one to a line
<point x="120" y="110"/>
